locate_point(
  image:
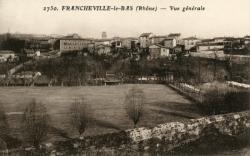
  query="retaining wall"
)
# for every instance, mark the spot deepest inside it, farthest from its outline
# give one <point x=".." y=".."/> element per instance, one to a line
<point x="164" y="136"/>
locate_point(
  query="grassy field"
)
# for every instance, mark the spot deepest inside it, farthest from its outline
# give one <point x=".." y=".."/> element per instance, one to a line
<point x="162" y="104"/>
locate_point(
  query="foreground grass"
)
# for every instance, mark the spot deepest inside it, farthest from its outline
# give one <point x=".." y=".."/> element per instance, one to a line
<point x="162" y="105"/>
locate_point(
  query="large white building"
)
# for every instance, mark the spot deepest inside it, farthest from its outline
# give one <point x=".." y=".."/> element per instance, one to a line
<point x="73" y="44"/>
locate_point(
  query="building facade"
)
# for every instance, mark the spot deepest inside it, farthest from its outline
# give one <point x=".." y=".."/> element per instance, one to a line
<point x="129" y="43"/>
<point x="190" y="42"/>
<point x="157" y="39"/>
<point x="169" y="42"/>
<point x="210" y="47"/>
<point x="144" y="40"/>
<point x="158" y="51"/>
<point x="176" y="36"/>
<point x="73" y="44"/>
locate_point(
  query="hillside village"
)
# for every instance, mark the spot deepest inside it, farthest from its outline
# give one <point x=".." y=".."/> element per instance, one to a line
<point x="133" y="82"/>
<point x="147" y="57"/>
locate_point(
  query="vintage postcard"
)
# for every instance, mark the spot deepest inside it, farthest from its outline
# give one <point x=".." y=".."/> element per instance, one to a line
<point x="124" y="77"/>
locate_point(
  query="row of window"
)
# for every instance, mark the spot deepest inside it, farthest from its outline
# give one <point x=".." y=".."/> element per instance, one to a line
<point x="73" y="47"/>
<point x="66" y="43"/>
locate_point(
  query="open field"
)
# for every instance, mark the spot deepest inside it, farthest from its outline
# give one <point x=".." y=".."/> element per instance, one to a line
<point x="162" y="104"/>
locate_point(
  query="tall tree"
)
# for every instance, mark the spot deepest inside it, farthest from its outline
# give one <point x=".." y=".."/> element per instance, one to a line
<point x="80" y="115"/>
<point x="134" y="102"/>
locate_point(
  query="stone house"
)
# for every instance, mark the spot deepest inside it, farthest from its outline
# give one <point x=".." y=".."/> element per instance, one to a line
<point x="169" y="42"/>
<point x="157" y="39"/>
<point x="158" y="51"/>
<point x="176" y="36"/>
<point x="144" y="40"/>
<point x="129" y="42"/>
<point x="190" y="42"/>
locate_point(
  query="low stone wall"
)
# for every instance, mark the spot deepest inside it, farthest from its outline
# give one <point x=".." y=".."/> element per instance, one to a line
<point x="163" y="137"/>
<point x="238" y="85"/>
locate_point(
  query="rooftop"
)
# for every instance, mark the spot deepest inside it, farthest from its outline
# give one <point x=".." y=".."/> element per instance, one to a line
<point x="103" y="45"/>
<point x="190" y="38"/>
<point x="210" y="44"/>
<point x="174" y="35"/>
<point x="168" y="38"/>
<point x="7" y="52"/>
<point x="103" y="40"/>
<point x="160" y="36"/>
<point x="159" y="45"/>
<point x="145" y="34"/>
<point x="75" y="39"/>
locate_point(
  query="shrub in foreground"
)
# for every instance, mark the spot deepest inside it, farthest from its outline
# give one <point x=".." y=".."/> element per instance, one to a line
<point x="35" y="123"/>
<point x="4" y="128"/>
<point x="134" y="101"/>
<point x="80" y="115"/>
<point x="218" y="102"/>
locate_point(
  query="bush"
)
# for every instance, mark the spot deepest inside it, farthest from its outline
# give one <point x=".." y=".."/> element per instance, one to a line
<point x="4" y="127"/>
<point x="220" y="101"/>
<point x="80" y="115"/>
<point x="35" y="123"/>
<point x="134" y="104"/>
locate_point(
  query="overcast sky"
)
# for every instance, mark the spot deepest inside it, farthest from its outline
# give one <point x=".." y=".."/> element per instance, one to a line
<point x="221" y="18"/>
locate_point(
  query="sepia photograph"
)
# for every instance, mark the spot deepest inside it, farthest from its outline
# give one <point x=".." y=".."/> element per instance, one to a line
<point x="124" y="77"/>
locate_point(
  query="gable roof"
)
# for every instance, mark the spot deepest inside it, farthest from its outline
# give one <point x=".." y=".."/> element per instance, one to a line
<point x="207" y="40"/>
<point x="168" y="39"/>
<point x="102" y="45"/>
<point x="190" y="38"/>
<point x="161" y="36"/>
<point x="76" y="36"/>
<point x="103" y="40"/>
<point x="7" y="52"/>
<point x="174" y="35"/>
<point x="145" y="34"/>
<point x="218" y="38"/>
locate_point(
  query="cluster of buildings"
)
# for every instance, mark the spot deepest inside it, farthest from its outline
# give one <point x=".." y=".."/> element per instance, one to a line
<point x="153" y="46"/>
<point x="156" y="46"/>
<point x="7" y="55"/>
<point x="172" y="44"/>
<point x="100" y="46"/>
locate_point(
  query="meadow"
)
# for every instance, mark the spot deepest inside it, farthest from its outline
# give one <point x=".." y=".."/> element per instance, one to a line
<point x="162" y="104"/>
